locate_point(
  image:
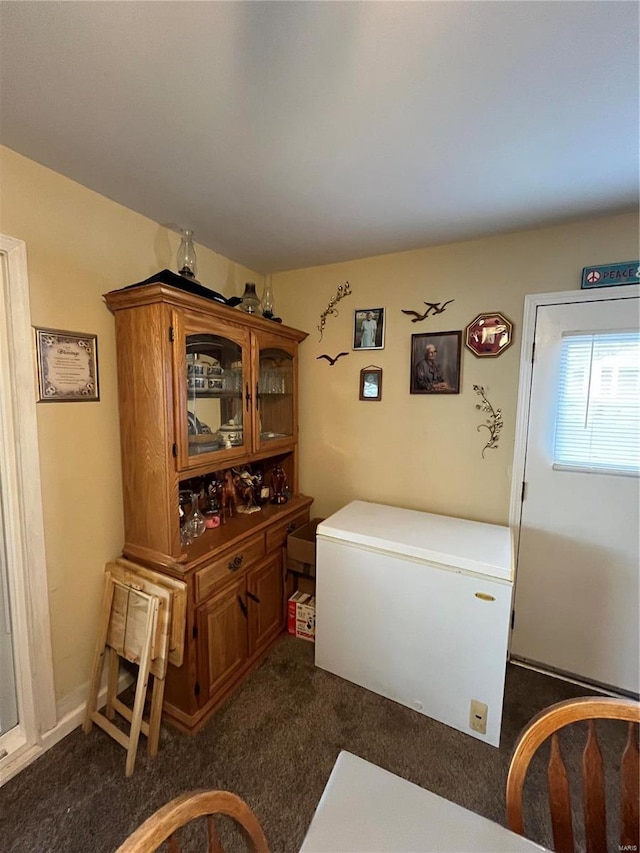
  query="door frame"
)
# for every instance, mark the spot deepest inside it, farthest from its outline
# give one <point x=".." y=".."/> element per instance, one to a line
<point x="22" y="516"/>
<point x="531" y="304"/>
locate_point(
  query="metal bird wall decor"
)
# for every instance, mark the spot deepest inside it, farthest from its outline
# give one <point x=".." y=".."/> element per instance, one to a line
<point x="432" y="307"/>
<point x="332" y="361"/>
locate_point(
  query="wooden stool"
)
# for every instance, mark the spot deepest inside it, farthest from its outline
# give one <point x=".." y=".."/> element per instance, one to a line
<point x="135" y="625"/>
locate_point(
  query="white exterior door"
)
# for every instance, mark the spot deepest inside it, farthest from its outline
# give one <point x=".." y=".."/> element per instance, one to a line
<point x="577" y="581"/>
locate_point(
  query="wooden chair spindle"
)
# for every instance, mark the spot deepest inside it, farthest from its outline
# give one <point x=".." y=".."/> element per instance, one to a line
<point x="559" y="799"/>
<point x="215" y="845"/>
<point x="595" y="819"/>
<point x="629" y="772"/>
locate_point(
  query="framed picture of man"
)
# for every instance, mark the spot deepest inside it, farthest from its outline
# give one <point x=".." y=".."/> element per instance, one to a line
<point x="435" y="363"/>
<point x="368" y="328"/>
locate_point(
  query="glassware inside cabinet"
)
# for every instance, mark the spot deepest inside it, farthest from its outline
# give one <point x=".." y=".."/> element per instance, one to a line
<point x="275" y="394"/>
<point x="192" y="522"/>
<point x="214" y="393"/>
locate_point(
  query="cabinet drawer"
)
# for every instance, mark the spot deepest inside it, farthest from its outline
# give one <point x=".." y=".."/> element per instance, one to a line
<point x="227" y="564"/>
<point x="277" y="535"/>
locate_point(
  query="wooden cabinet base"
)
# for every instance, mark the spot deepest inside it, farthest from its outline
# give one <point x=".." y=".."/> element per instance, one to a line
<point x="236" y="610"/>
<point x="192" y="724"/>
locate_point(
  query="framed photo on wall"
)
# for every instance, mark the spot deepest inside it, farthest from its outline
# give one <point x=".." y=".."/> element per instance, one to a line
<point x="67" y="366"/>
<point x="371" y="383"/>
<point x="435" y="363"/>
<point x="489" y="335"/>
<point x="368" y="328"/>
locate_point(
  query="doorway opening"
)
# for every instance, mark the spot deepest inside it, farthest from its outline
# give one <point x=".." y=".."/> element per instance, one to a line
<point x="27" y="709"/>
<point x="8" y="693"/>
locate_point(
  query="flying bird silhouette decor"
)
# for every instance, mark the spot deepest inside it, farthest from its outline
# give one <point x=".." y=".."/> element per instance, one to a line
<point x="332" y="361"/>
<point x="435" y="307"/>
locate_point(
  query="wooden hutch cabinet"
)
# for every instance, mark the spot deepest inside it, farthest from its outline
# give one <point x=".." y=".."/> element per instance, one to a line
<point x="205" y="388"/>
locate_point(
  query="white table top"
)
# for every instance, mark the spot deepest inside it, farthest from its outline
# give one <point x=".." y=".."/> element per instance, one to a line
<point x="365" y="809"/>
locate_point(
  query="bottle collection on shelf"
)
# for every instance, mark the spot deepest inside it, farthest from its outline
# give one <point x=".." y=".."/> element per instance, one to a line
<point x="250" y="302"/>
<point x="224" y="494"/>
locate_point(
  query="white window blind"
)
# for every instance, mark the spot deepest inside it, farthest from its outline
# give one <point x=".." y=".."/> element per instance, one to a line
<point x="598" y="413"/>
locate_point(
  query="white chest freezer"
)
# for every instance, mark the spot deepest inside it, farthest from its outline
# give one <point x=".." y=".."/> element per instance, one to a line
<point x="417" y="607"/>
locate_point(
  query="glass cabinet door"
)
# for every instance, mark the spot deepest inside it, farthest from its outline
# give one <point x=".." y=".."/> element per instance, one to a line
<point x="213" y="395"/>
<point x="276" y="410"/>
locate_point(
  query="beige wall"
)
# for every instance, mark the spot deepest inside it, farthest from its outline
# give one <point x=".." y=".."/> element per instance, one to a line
<point x="413" y="451"/>
<point x="424" y="451"/>
<point x="79" y="246"/>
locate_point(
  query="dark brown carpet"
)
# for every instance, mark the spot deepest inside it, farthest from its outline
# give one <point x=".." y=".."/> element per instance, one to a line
<point x="274" y="743"/>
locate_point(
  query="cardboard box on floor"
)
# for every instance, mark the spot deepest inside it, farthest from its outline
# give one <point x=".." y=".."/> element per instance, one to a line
<point x="301" y="557"/>
<point x="301" y="549"/>
<point x="301" y="616"/>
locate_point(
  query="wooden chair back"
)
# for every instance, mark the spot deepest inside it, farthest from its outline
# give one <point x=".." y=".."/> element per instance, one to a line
<point x="163" y="824"/>
<point x="546" y="724"/>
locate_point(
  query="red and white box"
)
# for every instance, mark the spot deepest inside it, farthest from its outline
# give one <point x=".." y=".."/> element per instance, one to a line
<point x="301" y="616"/>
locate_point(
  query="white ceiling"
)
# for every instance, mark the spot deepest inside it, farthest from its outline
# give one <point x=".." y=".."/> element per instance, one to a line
<point x="288" y="134"/>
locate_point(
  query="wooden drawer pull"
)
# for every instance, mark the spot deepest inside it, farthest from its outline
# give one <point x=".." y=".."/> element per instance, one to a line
<point x="291" y="526"/>
<point x="253" y="597"/>
<point x="235" y="564"/>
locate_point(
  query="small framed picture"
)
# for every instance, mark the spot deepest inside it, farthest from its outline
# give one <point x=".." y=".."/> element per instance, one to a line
<point x="371" y="383"/>
<point x="435" y="363"/>
<point x="368" y="328"/>
<point x="489" y="335"/>
<point x="67" y="366"/>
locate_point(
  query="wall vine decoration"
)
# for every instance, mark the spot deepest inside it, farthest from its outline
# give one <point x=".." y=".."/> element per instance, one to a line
<point x="494" y="421"/>
<point x="435" y="307"/>
<point x="343" y="290"/>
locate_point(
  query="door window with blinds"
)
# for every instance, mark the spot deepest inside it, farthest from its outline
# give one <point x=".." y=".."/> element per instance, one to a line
<point x="598" y="412"/>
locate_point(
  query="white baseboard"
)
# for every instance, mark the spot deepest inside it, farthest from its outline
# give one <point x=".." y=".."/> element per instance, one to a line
<point x="16" y="761"/>
<point x="70" y="713"/>
<point x="594" y="686"/>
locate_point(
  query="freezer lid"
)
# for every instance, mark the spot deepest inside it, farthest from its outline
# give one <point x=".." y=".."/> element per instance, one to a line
<point x="471" y="546"/>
